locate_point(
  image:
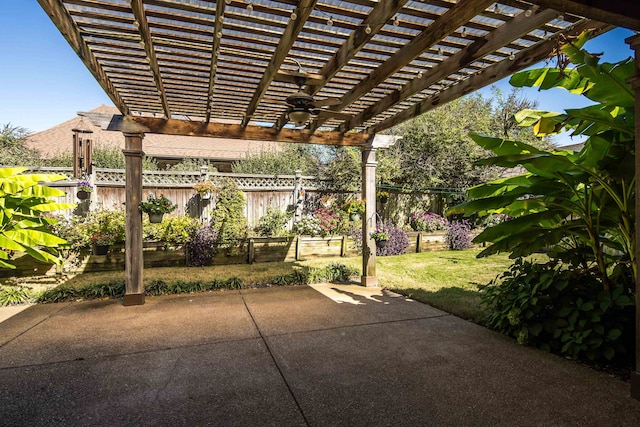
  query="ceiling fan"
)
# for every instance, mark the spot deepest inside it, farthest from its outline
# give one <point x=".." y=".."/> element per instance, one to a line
<point x="301" y="105"/>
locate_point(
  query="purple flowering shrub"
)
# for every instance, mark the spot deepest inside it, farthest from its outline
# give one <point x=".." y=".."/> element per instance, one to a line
<point x="458" y="235"/>
<point x="201" y="248"/>
<point x="398" y="239"/>
<point x="427" y="221"/>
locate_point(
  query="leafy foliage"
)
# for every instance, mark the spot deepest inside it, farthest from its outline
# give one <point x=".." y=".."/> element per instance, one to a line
<point x="173" y="230"/>
<point x="11" y="295"/>
<point x="202" y="247"/>
<point x="115" y="288"/>
<point x="273" y="223"/>
<point x="282" y="161"/>
<point x="157" y="205"/>
<point x="458" y="235"/>
<point x="579" y="203"/>
<point x="25" y="216"/>
<point x="110" y="157"/>
<point x="308" y="225"/>
<point x="227" y="218"/>
<point x="397" y="241"/>
<point x="427" y="221"/>
<point x="13" y="149"/>
<point x="560" y="310"/>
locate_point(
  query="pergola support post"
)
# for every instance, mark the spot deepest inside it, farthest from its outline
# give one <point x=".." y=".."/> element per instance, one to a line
<point x="634" y="42"/>
<point x="369" y="277"/>
<point x="369" y="164"/>
<point x="134" y="288"/>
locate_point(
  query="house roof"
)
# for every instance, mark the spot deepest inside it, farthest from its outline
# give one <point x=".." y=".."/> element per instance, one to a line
<point x="58" y="139"/>
<point x="184" y="66"/>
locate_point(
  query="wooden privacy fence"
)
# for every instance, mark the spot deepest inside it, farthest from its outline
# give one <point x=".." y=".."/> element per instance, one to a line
<point x="261" y="192"/>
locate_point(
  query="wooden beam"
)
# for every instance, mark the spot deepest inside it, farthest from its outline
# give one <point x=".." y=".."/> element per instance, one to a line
<point x="489" y="75"/>
<point x="143" y="27"/>
<point x="63" y="21"/>
<point x="378" y="17"/>
<point x="622" y="13"/>
<point x="221" y="130"/>
<point x="215" y="48"/>
<point x="446" y="24"/>
<point x="303" y="10"/>
<point x="504" y="34"/>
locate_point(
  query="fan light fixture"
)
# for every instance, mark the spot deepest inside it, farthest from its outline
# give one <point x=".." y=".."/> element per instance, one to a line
<point x="299" y="116"/>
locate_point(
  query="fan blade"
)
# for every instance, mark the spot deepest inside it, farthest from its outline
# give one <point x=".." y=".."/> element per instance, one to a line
<point x="327" y="101"/>
<point x="290" y="77"/>
<point x="328" y="114"/>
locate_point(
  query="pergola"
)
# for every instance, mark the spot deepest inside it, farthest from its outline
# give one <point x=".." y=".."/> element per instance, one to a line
<point x="225" y="69"/>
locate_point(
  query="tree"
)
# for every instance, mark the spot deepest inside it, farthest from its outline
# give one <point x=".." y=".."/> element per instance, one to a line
<point x="24" y="224"/>
<point x="13" y="149"/>
<point x="285" y="161"/>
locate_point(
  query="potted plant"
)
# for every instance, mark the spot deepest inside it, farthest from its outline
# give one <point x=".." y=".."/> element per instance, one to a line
<point x="204" y="189"/>
<point x="355" y="208"/>
<point x="84" y="190"/>
<point x="156" y="207"/>
<point x="380" y="237"/>
<point x="101" y="242"/>
<point x="383" y="196"/>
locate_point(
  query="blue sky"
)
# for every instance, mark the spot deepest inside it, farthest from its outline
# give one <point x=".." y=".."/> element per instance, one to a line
<point x="43" y="82"/>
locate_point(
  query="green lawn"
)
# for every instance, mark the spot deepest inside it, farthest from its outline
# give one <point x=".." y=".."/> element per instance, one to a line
<point x="447" y="280"/>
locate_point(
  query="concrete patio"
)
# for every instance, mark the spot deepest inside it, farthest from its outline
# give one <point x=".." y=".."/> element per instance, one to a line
<point x="323" y="355"/>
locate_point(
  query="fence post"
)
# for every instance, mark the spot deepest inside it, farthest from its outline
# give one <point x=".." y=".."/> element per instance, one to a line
<point x="298" y="196"/>
<point x="298" y="248"/>
<point x="343" y="246"/>
<point x="251" y="251"/>
<point x="419" y="243"/>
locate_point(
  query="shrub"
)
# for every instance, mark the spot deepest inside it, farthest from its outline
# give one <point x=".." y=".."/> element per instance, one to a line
<point x="307" y="225"/>
<point x="10" y="295"/>
<point x="227" y="218"/>
<point x="329" y="221"/>
<point x="273" y="223"/>
<point x="397" y="242"/>
<point x="201" y="248"/>
<point x="458" y="235"/>
<point x="563" y="311"/>
<point x="423" y="221"/>
<point x="173" y="230"/>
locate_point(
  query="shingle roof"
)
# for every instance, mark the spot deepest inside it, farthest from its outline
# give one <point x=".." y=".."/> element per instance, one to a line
<point x="58" y="139"/>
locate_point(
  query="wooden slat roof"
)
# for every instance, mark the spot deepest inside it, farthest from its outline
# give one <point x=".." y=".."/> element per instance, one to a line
<point x="199" y="67"/>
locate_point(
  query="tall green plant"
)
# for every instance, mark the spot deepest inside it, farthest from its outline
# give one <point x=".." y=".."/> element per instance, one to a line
<point x="25" y="224"/>
<point x="583" y="199"/>
<point x="227" y="218"/>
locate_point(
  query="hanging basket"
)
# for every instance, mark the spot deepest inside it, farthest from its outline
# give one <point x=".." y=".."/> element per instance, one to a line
<point x="155" y="218"/>
<point x="205" y="196"/>
<point x="383" y="199"/>
<point x="381" y="243"/>
<point x="83" y="195"/>
<point x="354" y="216"/>
<point x="100" y="249"/>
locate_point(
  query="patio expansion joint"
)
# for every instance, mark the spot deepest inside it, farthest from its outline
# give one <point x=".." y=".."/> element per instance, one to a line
<point x="33" y="326"/>
<point x="275" y="362"/>
<point x="357" y="325"/>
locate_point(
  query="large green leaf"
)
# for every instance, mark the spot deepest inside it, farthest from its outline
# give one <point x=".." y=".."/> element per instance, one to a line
<point x="31" y="237"/>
